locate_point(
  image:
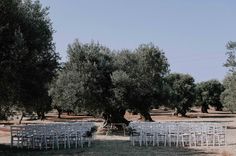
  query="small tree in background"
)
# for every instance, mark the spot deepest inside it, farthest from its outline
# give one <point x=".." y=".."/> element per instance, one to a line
<point x="182" y="92"/>
<point x="208" y="93"/>
<point x="58" y="94"/>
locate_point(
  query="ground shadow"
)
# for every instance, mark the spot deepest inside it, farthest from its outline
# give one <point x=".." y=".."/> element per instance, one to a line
<point x="5" y="123"/>
<point x="74" y="118"/>
<point x="109" y="148"/>
<point x="222" y="112"/>
<point x="121" y="147"/>
<point x="231" y="127"/>
<point x="6" y="150"/>
<point x="217" y="116"/>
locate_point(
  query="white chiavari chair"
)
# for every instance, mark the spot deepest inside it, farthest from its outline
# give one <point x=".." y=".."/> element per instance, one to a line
<point x="47" y="136"/>
<point x="173" y="134"/>
<point x="161" y="134"/>
<point x="220" y="135"/>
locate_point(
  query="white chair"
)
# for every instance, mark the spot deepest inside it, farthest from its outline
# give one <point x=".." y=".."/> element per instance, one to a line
<point x="17" y="136"/>
<point x="50" y="135"/>
<point x="148" y="134"/>
<point x="38" y="136"/>
<point x="161" y="134"/>
<point x="136" y="134"/>
<point x="185" y="134"/>
<point x="198" y="134"/>
<point x="220" y="135"/>
<point x="209" y="134"/>
<point x="173" y="134"/>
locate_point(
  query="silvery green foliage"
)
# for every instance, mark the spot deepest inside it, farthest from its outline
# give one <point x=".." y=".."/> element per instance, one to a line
<point x="122" y="87"/>
<point x="85" y="81"/>
<point x="139" y="77"/>
<point x="94" y="79"/>
<point x="228" y="97"/>
<point x="182" y="92"/>
<point x="208" y="93"/>
<point x="231" y="60"/>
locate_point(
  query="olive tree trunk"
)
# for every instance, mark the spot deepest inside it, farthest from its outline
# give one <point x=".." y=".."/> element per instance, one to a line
<point x="219" y="108"/>
<point x="204" y="108"/>
<point x="41" y="115"/>
<point x="145" y="116"/>
<point x="180" y="111"/>
<point x="59" y="113"/>
<point x="114" y="116"/>
<point x="21" y="118"/>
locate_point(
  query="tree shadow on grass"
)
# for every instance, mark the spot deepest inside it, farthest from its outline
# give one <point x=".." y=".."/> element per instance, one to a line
<point x="6" y="150"/>
<point x="108" y="148"/>
<point x="123" y="148"/>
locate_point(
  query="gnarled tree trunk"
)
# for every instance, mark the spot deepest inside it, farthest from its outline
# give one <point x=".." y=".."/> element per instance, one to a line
<point x="41" y="115"/>
<point x="59" y="112"/>
<point x="219" y="108"/>
<point x="180" y="111"/>
<point x="145" y="116"/>
<point x="114" y="116"/>
<point x="21" y="118"/>
<point x="204" y="108"/>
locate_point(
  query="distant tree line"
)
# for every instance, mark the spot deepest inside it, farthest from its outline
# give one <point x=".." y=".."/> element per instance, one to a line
<point x="94" y="79"/>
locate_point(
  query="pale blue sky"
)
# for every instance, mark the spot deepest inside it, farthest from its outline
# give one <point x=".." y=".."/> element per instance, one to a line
<point x="192" y="33"/>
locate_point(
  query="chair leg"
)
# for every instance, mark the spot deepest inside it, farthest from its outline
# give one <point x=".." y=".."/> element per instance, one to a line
<point x="140" y="140"/>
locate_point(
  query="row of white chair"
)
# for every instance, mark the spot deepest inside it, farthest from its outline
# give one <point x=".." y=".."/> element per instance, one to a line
<point x="47" y="136"/>
<point x="178" y="134"/>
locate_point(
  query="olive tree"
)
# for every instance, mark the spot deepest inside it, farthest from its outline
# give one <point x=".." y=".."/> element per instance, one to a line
<point x="99" y="81"/>
<point x="182" y="92"/>
<point x="85" y="82"/>
<point x="28" y="60"/>
<point x="140" y="77"/>
<point x="228" y="96"/>
<point x="208" y="93"/>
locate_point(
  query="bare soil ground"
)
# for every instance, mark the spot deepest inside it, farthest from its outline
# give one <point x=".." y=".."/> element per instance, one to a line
<point x="119" y="145"/>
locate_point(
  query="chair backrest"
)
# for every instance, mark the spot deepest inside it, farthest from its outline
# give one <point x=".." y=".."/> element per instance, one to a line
<point x="17" y="130"/>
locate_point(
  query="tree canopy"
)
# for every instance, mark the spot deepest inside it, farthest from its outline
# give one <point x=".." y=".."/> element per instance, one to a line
<point x="97" y="80"/>
<point x="141" y="74"/>
<point x="94" y="79"/>
<point x="182" y="92"/>
<point x="231" y="60"/>
<point x="28" y="60"/>
<point x="85" y="82"/>
<point x="208" y="93"/>
<point x="228" y="96"/>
